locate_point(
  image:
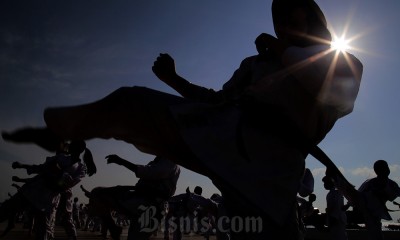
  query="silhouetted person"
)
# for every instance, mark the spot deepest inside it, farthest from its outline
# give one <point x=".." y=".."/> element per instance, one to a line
<point x="335" y="212"/>
<point x="259" y="126"/>
<point x="75" y="213"/>
<point x="57" y="175"/>
<point x="376" y="192"/>
<point x="198" y="190"/>
<point x="307" y="206"/>
<point x="209" y="214"/>
<point x="157" y="183"/>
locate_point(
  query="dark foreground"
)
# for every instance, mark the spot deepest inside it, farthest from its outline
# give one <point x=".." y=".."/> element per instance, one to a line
<point x="353" y="234"/>
<point x="19" y="233"/>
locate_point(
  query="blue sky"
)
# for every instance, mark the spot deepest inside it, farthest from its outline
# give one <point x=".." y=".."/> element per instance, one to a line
<point x="55" y="53"/>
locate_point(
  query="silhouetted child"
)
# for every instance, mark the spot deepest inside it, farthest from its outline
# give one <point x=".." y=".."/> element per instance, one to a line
<point x="376" y="192"/>
<point x="75" y="213"/>
<point x="335" y="212"/>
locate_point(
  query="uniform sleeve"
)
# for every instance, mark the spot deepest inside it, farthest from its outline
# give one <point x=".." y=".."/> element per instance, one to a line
<point x="233" y="88"/>
<point x="332" y="77"/>
<point x="365" y="186"/>
<point x="393" y="190"/>
<point x="240" y="79"/>
<point x="202" y="94"/>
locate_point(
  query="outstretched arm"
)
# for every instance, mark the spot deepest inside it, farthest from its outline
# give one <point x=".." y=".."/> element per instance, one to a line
<point x="16" y="186"/>
<point x="21" y="180"/>
<point x="113" y="158"/>
<point x="164" y="69"/>
<point x="30" y="169"/>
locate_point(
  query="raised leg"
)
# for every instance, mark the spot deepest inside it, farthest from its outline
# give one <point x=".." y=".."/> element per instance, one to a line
<point x="136" y="115"/>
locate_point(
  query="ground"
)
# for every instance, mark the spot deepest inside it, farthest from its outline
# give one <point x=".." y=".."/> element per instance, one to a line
<point x="19" y="233"/>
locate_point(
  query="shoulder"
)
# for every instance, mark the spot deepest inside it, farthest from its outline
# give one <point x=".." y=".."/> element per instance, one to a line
<point x="166" y="162"/>
<point x="365" y="185"/>
<point x="393" y="184"/>
<point x="248" y="61"/>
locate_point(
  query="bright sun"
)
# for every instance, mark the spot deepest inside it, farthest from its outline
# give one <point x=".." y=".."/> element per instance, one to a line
<point x="340" y="44"/>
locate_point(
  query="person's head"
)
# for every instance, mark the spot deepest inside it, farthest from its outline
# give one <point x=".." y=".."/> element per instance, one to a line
<point x="75" y="148"/>
<point x="328" y="183"/>
<point x="312" y="197"/>
<point x="300" y="22"/>
<point x="381" y="168"/>
<point x="62" y="147"/>
<point x="198" y="190"/>
<point x="215" y="196"/>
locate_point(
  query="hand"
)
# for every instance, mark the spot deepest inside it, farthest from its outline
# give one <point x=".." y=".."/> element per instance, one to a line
<point x="113" y="158"/>
<point x="16" y="165"/>
<point x="15" y="179"/>
<point x="164" y="68"/>
<point x="262" y="42"/>
<point x="265" y="41"/>
<point x="331" y="172"/>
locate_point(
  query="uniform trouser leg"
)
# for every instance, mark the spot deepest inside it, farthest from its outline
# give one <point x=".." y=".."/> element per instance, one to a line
<point x="136" y="115"/>
<point x="69" y="225"/>
<point x="374" y="227"/>
<point x="44" y="225"/>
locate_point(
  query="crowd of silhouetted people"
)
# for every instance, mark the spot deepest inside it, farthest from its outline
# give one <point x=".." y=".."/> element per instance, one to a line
<point x="251" y="139"/>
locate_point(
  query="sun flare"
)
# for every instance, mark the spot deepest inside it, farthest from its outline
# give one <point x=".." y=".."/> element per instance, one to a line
<point x="340" y="44"/>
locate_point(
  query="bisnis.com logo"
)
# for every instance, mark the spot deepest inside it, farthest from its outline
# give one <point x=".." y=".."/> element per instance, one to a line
<point x="149" y="222"/>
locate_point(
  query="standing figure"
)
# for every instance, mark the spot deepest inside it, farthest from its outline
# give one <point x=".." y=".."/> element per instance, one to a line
<point x="82" y="215"/>
<point x="376" y="192"/>
<point x="76" y="213"/>
<point x="260" y="126"/>
<point x="335" y="211"/>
